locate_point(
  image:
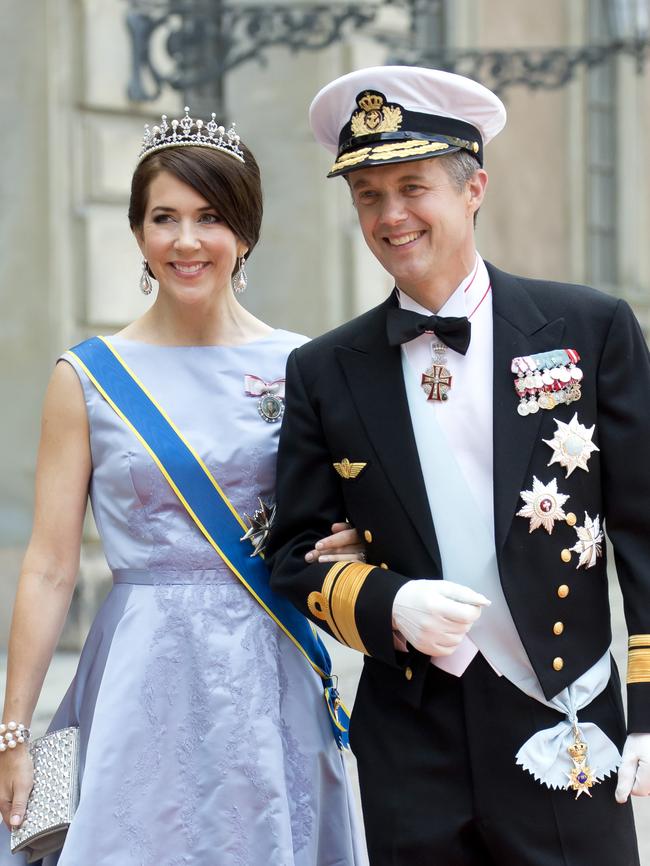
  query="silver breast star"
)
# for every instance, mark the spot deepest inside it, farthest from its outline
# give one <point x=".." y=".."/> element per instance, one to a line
<point x="572" y="445"/>
<point x="590" y="542"/>
<point x="543" y="505"/>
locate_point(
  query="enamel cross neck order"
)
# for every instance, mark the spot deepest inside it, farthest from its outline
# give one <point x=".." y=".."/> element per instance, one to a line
<point x="437" y="380"/>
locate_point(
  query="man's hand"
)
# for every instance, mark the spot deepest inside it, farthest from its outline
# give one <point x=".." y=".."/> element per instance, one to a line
<point x="634" y="772"/>
<point x="435" y="615"/>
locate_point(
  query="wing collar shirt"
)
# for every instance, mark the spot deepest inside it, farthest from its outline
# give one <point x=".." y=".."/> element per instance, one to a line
<point x="466" y="417"/>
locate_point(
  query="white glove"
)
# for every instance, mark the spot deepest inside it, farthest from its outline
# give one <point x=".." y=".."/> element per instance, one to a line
<point x="435" y="615"/>
<point x="634" y="772"/>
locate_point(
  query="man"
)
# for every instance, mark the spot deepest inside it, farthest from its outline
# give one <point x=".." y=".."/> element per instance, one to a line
<point x="478" y="429"/>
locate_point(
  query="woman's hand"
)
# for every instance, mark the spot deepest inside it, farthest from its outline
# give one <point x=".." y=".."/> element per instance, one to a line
<point x="16" y="782"/>
<point x="343" y="544"/>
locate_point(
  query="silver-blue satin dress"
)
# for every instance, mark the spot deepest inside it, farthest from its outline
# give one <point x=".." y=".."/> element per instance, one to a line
<point x="205" y="735"/>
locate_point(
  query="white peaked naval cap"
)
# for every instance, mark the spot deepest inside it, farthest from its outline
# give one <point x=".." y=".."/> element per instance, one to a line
<point x="388" y="114"/>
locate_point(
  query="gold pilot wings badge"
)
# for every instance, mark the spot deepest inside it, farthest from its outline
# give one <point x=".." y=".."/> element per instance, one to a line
<point x="348" y="470"/>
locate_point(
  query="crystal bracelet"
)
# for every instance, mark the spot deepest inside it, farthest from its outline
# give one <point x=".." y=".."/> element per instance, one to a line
<point x="12" y="734"/>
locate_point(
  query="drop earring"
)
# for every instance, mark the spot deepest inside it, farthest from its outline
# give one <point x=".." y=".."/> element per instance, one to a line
<point x="240" y="280"/>
<point x="145" y="280"/>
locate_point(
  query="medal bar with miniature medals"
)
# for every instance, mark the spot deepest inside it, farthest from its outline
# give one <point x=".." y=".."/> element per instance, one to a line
<point x="547" y="379"/>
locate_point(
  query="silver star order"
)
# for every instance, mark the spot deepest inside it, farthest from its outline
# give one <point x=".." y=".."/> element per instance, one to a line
<point x="543" y="505"/>
<point x="590" y="542"/>
<point x="260" y="526"/>
<point x="572" y="445"/>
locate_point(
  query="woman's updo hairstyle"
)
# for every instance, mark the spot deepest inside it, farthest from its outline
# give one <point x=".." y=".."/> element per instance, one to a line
<point x="231" y="187"/>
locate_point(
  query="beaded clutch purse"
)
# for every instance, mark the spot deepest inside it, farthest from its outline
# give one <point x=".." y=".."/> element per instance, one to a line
<point x="54" y="797"/>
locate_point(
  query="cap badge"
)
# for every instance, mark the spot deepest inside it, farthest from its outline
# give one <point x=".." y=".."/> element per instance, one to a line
<point x="374" y="115"/>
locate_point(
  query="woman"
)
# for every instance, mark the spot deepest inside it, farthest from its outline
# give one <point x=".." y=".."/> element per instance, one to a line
<point x="205" y="738"/>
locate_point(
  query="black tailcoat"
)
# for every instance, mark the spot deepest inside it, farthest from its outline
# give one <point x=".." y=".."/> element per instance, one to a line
<point x="346" y="398"/>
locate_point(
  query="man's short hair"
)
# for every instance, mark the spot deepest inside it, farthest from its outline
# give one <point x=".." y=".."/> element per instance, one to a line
<point x="460" y="167"/>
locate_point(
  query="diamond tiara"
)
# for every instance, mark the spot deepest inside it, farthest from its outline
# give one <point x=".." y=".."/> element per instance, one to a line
<point x="190" y="132"/>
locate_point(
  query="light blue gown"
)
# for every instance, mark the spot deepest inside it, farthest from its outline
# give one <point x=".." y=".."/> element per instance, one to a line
<point x="205" y="735"/>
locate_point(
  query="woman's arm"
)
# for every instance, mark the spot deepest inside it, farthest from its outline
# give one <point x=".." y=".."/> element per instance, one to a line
<point x="49" y="570"/>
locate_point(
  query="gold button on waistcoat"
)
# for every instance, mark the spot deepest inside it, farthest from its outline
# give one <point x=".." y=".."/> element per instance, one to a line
<point x="408" y="673"/>
<point x="367" y="535"/>
<point x="571" y="519"/>
<point x="383" y="565"/>
<point x="558" y="663"/>
<point x="565" y="556"/>
<point x="558" y="628"/>
<point x="563" y="590"/>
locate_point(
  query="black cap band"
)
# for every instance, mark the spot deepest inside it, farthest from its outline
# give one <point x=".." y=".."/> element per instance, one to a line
<point x="377" y="120"/>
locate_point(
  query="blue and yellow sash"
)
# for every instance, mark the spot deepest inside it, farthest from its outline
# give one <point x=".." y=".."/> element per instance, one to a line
<point x="206" y="503"/>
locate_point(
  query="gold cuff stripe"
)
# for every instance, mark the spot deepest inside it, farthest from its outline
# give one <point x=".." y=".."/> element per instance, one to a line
<point x="638" y="666"/>
<point x="319" y="602"/>
<point x="318" y="605"/>
<point x="343" y="599"/>
<point x="328" y="584"/>
<point x="335" y="603"/>
<point x="639" y="640"/>
<point x="331" y="576"/>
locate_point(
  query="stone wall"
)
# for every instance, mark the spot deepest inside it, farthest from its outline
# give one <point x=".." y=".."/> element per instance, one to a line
<point x="69" y="267"/>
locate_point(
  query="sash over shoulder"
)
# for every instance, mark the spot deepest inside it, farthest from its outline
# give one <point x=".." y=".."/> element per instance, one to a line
<point x="206" y="503"/>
